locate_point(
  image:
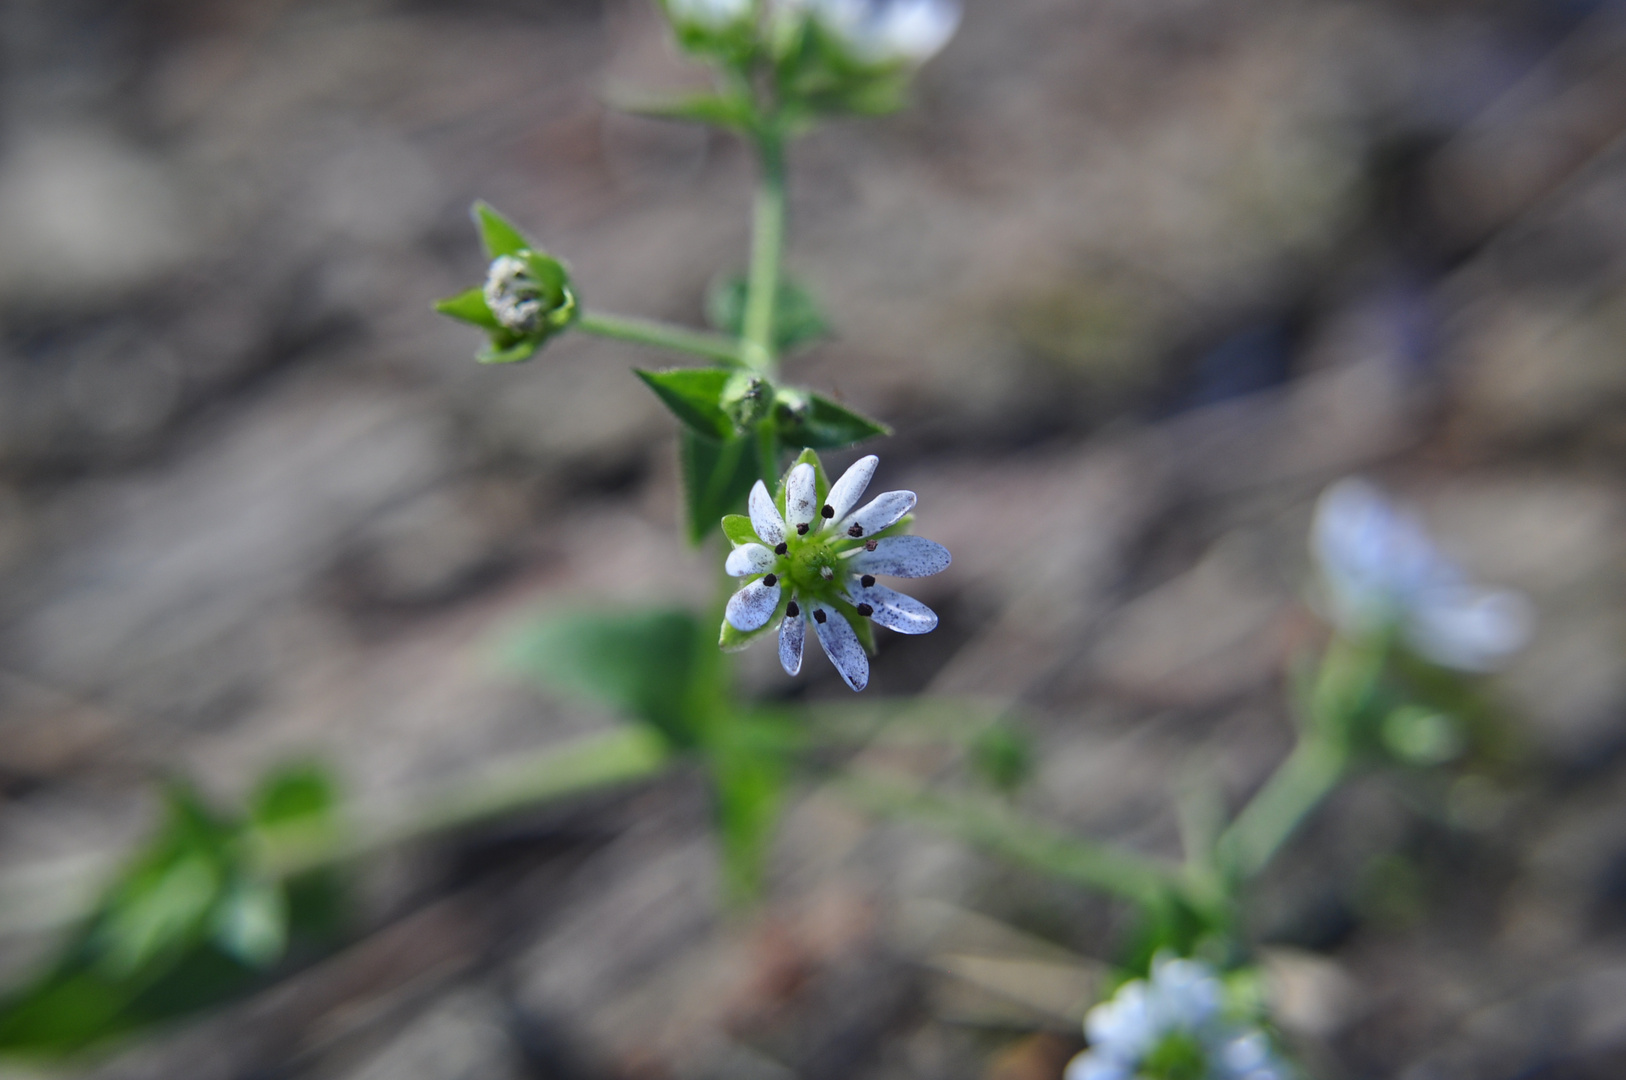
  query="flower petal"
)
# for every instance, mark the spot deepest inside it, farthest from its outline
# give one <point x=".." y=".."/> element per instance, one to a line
<point x="841" y="646"/>
<point x="1469" y="628"/>
<point x="902" y="556"/>
<point x="883" y="510"/>
<point x="748" y="559"/>
<point x="894" y="610"/>
<point x="752" y="607"/>
<point x="801" y="495"/>
<point x="845" y="492"/>
<point x="765" y="517"/>
<point x="792" y="636"/>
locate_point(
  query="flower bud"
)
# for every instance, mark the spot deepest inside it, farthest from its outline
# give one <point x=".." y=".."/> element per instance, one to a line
<point x="746" y="398"/>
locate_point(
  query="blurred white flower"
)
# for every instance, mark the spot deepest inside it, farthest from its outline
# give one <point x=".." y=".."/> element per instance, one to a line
<point x="513" y="295"/>
<point x="889" y="31"/>
<point x="822" y="561"/>
<point x="1173" y="1022"/>
<point x="1380" y="571"/>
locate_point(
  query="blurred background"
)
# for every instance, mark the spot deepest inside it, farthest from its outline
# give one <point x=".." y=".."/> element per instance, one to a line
<point x="1133" y="280"/>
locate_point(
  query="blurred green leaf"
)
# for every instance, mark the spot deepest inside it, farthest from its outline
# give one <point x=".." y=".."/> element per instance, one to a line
<point x="299" y="794"/>
<point x="717" y="476"/>
<point x="748" y="785"/>
<point x="815" y="421"/>
<point x="1003" y="757"/>
<point x="797" y="319"/>
<point x="656" y="666"/>
<point x="499" y="235"/>
<point x="734" y="112"/>
<point x="693" y="396"/>
<point x="470" y="306"/>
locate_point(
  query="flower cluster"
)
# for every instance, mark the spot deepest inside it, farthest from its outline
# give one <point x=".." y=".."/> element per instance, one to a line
<point x="811" y="560"/>
<point x="1173" y="1026"/>
<point x="1381" y="573"/>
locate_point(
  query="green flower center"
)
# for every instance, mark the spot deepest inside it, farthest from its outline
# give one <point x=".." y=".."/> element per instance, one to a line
<point x="812" y="564"/>
<point x="1177" y="1056"/>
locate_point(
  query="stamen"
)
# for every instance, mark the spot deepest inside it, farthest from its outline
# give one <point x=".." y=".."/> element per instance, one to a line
<point x="867" y="581"/>
<point x="828" y="511"/>
<point x="771" y="580"/>
<point x="871" y="545"/>
<point x="865" y="610"/>
<point x="791" y="610"/>
<point x="856" y="530"/>
<point x="819" y="615"/>
<point x="801" y="530"/>
<point x="780" y="548"/>
<point x="826" y="573"/>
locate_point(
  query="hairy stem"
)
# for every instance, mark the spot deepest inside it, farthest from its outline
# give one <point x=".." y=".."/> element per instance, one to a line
<point x="660" y="335"/>
<point x="1003" y="831"/>
<point x="767" y="250"/>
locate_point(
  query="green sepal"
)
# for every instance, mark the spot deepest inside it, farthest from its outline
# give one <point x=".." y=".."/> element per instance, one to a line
<point x="797" y="320"/>
<point x="732" y="112"/>
<point x="739" y="530"/>
<point x="815" y="421"/>
<point x="470" y="306"/>
<point x="821" y="481"/>
<point x="693" y="396"/>
<point x="717" y="477"/>
<point x="730" y="639"/>
<point x="498" y="235"/>
<point x="495" y="352"/>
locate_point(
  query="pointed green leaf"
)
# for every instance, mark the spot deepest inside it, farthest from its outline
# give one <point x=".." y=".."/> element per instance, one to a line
<point x="717" y="476"/>
<point x="815" y="421"/>
<point x="470" y="307"/>
<point x="725" y="111"/>
<point x="693" y="395"/>
<point x="499" y="235"/>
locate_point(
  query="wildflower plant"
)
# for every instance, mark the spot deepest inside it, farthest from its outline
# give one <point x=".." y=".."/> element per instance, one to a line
<point x="218" y="899"/>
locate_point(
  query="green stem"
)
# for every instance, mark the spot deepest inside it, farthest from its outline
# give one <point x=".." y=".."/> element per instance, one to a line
<point x="768" y="453"/>
<point x="1005" y="832"/>
<point x="660" y="335"/>
<point x="767" y="250"/>
<point x="1293" y="791"/>
<point x="583" y="765"/>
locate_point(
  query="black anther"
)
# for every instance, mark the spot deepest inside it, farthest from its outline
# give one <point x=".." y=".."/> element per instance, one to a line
<point x="819" y="615"/>
<point x="771" y="580"/>
<point x="871" y="545"/>
<point x="856" y="530"/>
<point x="801" y="530"/>
<point x="828" y="511"/>
<point x="867" y="581"/>
<point x="791" y="610"/>
<point x="865" y="610"/>
<point x="780" y="548"/>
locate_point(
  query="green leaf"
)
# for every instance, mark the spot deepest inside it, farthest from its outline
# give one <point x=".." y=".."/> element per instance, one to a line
<point x="499" y="235"/>
<point x="816" y="421"/>
<point x="655" y="666"/>
<point x="719" y="110"/>
<point x="1003" y="757"/>
<point x="470" y="307"/>
<point x="717" y="477"/>
<point x="748" y="778"/>
<point x="797" y="319"/>
<point x="296" y="794"/>
<point x="693" y="396"/>
<point x="739" y="530"/>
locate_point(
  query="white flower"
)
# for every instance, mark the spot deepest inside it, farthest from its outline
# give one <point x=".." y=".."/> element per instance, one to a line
<point x="1381" y="571"/>
<point x="513" y="296"/>
<point x="711" y="14"/>
<point x="814" y="564"/>
<point x="889" y="31"/>
<point x="1180" y="1005"/>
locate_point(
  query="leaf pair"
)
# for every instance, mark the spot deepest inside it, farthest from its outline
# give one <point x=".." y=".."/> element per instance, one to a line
<point x="192" y="920"/>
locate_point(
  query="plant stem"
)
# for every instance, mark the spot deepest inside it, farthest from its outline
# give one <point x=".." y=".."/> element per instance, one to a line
<point x="1005" y="832"/>
<point x="582" y="765"/>
<point x="660" y="335"/>
<point x="1309" y="774"/>
<point x="767" y="249"/>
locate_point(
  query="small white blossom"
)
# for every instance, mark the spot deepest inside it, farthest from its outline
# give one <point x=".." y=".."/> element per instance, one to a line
<point x="711" y="14"/>
<point x="822" y="561"/>
<point x="513" y="295"/>
<point x="889" y="31"/>
<point x="1380" y="571"/>
<point x="1182" y="1003"/>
